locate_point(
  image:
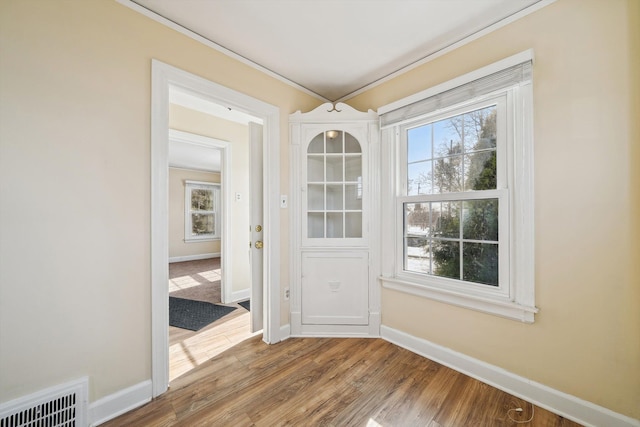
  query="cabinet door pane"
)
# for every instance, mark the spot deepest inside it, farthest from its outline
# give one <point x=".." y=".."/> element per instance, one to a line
<point x="315" y="197"/>
<point x="334" y="169"/>
<point x="353" y="168"/>
<point x="351" y="145"/>
<point x="353" y="224"/>
<point x="315" y="225"/>
<point x="315" y="168"/>
<point x="334" y="141"/>
<point x="334" y="196"/>
<point x="353" y="197"/>
<point x="334" y="225"/>
<point x="317" y="144"/>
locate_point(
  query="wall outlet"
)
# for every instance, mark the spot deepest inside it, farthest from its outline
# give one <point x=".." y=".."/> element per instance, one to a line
<point x="286" y="294"/>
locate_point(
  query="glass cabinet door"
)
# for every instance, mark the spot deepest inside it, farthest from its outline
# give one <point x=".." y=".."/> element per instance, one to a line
<point x="334" y="186"/>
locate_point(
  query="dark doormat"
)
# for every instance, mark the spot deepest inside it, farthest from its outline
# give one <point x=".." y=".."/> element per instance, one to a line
<point x="246" y="304"/>
<point x="194" y="315"/>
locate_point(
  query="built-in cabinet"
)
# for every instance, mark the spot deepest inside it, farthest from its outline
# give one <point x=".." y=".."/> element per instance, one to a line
<point x="334" y="209"/>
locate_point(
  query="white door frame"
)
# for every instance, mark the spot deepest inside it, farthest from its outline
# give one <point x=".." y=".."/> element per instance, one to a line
<point x="163" y="76"/>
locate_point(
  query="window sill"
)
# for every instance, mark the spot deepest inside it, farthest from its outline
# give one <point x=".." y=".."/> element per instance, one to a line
<point x="506" y="309"/>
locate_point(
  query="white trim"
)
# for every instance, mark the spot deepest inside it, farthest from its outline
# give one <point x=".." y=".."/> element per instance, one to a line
<point x="162" y="77"/>
<point x="495" y="67"/>
<point x="120" y="402"/>
<point x="563" y="404"/>
<point x="239" y="295"/>
<point x="197" y="37"/>
<point x="533" y="8"/>
<point x="193" y="257"/>
<point x="503" y="308"/>
<point x="285" y="332"/>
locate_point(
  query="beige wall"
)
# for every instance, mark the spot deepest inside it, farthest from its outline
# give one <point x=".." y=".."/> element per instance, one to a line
<point x="75" y="143"/>
<point x="75" y="93"/>
<point x="177" y="246"/>
<point x="187" y="120"/>
<point x="586" y="338"/>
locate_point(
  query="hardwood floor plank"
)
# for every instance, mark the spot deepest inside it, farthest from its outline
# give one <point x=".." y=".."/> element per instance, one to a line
<point x="329" y="382"/>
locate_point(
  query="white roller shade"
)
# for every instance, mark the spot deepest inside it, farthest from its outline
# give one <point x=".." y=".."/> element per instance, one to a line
<point x="508" y="77"/>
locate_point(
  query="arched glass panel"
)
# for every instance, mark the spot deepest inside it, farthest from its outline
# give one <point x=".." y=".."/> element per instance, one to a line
<point x="334" y="186"/>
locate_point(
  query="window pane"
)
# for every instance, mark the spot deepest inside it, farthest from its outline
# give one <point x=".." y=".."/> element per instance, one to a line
<point x="202" y="200"/>
<point x="447" y="175"/>
<point x="480" y="129"/>
<point x="480" y="220"/>
<point x="419" y="144"/>
<point x="480" y="171"/>
<point x="419" y="178"/>
<point x="447" y="137"/>
<point x="446" y="259"/>
<point x="202" y="224"/>
<point x="416" y="222"/>
<point x="445" y="218"/>
<point x="480" y="263"/>
<point x="417" y="257"/>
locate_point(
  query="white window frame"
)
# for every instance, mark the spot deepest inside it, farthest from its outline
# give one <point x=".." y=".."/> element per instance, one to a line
<point x="514" y="298"/>
<point x="189" y="186"/>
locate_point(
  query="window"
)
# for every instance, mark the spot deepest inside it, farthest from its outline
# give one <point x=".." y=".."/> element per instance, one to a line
<point x="202" y="207"/>
<point x="460" y="227"/>
<point x="451" y="195"/>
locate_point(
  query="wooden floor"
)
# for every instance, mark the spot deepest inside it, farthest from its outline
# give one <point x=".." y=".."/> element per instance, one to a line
<point x="200" y="280"/>
<point x="329" y="382"/>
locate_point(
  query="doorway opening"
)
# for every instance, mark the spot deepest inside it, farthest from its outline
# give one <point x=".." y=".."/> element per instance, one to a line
<point x="164" y="78"/>
<point x="208" y="260"/>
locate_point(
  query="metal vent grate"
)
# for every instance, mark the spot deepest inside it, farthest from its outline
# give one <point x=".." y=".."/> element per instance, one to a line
<point x="62" y="406"/>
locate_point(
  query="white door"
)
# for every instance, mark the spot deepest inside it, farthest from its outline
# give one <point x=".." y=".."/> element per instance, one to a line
<point x="256" y="225"/>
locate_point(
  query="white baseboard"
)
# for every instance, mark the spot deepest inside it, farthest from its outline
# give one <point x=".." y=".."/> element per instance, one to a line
<point x="193" y="257"/>
<point x="239" y="295"/>
<point x="118" y="403"/>
<point x="563" y="404"/>
<point x="285" y="332"/>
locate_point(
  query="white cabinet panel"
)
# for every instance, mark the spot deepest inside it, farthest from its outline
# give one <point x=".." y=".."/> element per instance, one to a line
<point x="335" y="288"/>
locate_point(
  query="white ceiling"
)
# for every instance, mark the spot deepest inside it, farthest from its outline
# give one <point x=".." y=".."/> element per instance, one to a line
<point x="335" y="47"/>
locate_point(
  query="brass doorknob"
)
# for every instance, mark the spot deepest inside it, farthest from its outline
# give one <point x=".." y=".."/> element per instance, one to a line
<point x="258" y="244"/>
<point x="258" y="228"/>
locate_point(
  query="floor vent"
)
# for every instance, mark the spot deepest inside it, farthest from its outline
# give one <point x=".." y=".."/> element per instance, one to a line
<point x="61" y="406"/>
